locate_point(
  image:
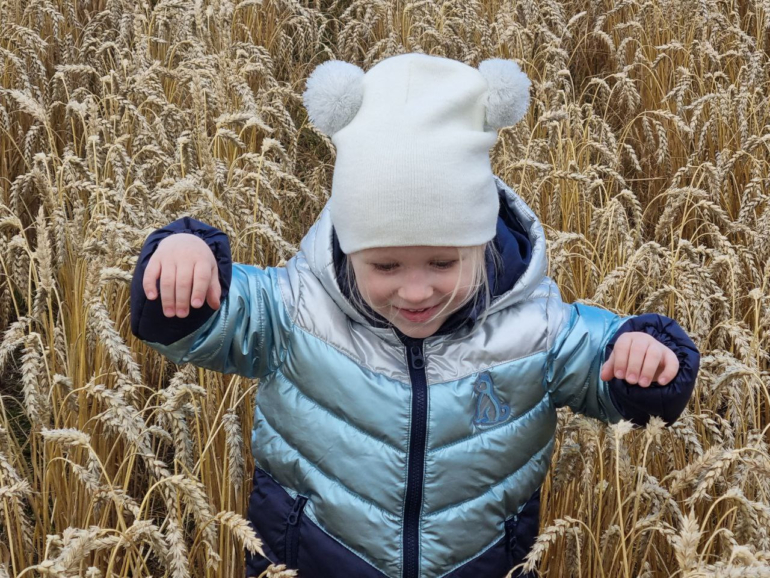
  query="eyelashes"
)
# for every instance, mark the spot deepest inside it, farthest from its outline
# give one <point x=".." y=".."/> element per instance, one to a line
<point x="388" y="267"/>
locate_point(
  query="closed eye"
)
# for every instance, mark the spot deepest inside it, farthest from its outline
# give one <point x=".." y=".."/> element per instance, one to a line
<point x="387" y="267"/>
<point x="384" y="267"/>
<point x="444" y="264"/>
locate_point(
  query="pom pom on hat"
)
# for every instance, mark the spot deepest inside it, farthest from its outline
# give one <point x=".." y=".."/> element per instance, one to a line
<point x="508" y="92"/>
<point x="333" y="95"/>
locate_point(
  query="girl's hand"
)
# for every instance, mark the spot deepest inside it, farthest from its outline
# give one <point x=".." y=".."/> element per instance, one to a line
<point x="188" y="274"/>
<point x="640" y="358"/>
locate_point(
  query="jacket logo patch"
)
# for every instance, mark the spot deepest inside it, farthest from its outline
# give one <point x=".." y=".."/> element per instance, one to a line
<point x="489" y="409"/>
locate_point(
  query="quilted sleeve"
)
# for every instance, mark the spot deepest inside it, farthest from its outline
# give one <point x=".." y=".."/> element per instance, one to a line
<point x="579" y="335"/>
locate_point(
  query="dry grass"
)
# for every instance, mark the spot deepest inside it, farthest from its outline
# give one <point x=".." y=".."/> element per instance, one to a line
<point x="645" y="154"/>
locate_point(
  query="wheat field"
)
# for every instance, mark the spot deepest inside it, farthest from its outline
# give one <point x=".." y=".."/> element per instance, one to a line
<point x="645" y="153"/>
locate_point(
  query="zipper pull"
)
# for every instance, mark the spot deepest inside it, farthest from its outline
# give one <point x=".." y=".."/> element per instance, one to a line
<point x="417" y="359"/>
<point x="296" y="510"/>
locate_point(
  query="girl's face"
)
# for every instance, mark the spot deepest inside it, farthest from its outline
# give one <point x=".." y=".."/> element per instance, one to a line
<point x="398" y="282"/>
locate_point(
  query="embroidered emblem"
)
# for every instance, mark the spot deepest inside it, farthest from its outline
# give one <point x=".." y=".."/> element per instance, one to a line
<point x="489" y="409"/>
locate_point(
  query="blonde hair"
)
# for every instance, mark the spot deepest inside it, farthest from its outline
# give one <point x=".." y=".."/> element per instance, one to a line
<point x="480" y="288"/>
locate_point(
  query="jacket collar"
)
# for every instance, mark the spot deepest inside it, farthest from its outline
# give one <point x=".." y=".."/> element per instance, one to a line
<point x="519" y="239"/>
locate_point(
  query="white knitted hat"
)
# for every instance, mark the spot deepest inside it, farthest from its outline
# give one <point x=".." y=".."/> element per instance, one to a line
<point x="413" y="137"/>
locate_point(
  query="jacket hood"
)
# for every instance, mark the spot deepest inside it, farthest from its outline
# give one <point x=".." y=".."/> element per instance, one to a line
<point x="519" y="239"/>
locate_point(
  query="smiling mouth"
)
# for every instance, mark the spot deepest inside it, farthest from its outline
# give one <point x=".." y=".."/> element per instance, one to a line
<point x="417" y="310"/>
<point x="418" y="315"/>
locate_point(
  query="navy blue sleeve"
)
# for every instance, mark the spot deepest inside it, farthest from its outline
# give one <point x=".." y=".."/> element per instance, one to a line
<point x="147" y="319"/>
<point x="638" y="404"/>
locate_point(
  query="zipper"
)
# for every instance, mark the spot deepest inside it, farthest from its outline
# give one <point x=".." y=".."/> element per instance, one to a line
<point x="292" y="531"/>
<point x="416" y="466"/>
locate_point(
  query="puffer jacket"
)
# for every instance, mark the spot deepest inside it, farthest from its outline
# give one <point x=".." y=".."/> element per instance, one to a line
<point x="381" y="455"/>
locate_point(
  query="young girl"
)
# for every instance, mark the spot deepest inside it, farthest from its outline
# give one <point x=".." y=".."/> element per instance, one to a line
<point x="413" y="354"/>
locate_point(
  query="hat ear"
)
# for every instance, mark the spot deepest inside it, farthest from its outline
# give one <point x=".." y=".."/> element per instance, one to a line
<point x="333" y="95"/>
<point x="508" y="92"/>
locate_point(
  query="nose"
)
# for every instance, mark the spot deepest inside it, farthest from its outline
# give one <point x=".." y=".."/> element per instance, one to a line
<point x="415" y="290"/>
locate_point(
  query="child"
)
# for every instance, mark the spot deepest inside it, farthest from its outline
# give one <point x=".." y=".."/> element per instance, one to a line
<point x="413" y="353"/>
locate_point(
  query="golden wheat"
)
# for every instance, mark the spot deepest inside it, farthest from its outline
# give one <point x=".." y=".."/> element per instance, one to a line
<point x="645" y="154"/>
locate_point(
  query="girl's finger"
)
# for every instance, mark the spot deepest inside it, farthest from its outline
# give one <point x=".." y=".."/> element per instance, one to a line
<point x="168" y="288"/>
<point x="607" y="368"/>
<point x="201" y="279"/>
<point x="621" y="351"/>
<point x="150" y="279"/>
<point x="636" y="359"/>
<point x="670" y="368"/>
<point x="652" y="361"/>
<point x="184" y="282"/>
<point x="214" y="292"/>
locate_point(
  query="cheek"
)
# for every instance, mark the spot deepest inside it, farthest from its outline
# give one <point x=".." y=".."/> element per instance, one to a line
<point x="464" y="286"/>
<point x="374" y="292"/>
<point x="449" y="282"/>
<point x="362" y="282"/>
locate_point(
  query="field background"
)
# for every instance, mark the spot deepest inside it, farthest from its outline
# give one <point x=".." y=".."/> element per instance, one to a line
<point x="644" y="153"/>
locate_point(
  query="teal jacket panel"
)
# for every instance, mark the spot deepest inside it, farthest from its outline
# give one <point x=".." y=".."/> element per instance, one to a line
<point x="333" y="416"/>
